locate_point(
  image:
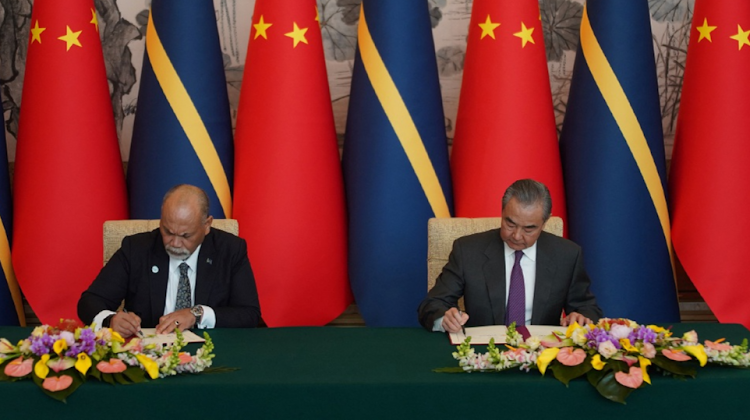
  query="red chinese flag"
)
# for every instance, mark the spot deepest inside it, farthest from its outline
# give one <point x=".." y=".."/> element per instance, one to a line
<point x="68" y="174"/>
<point x="288" y="188"/>
<point x="505" y="129"/>
<point x="711" y="159"/>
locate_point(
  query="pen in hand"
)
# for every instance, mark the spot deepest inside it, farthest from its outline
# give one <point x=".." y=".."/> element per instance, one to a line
<point x="139" y="333"/>
<point x="463" y="329"/>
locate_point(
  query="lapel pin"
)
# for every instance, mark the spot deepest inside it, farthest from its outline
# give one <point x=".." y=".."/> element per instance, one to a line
<point x="154" y="269"/>
<point x="208" y="260"/>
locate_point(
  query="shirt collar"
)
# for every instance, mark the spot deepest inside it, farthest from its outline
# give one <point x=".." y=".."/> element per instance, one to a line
<point x="529" y="252"/>
<point x="191" y="261"/>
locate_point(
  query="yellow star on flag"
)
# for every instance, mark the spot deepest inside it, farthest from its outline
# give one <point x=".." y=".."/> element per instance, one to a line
<point x="260" y="28"/>
<point x="94" y="20"/>
<point x="488" y="28"/>
<point x="36" y="33"/>
<point x="705" y="31"/>
<point x="525" y="35"/>
<point x="298" y="35"/>
<point x="741" y="37"/>
<point x="317" y="14"/>
<point x="71" y="38"/>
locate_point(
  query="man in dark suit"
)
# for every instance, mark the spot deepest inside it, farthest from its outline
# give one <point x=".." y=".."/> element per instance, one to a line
<point x="550" y="269"/>
<point x="181" y="275"/>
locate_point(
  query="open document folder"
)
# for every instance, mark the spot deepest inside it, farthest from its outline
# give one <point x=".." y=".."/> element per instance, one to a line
<point x="482" y="335"/>
<point x="150" y="337"/>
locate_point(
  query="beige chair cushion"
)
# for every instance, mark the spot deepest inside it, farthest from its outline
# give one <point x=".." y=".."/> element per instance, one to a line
<point x="442" y="232"/>
<point x="116" y="230"/>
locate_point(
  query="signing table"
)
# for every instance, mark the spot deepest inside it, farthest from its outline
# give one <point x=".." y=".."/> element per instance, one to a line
<point x="338" y="372"/>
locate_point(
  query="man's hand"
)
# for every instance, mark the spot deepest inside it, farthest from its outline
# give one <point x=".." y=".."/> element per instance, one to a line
<point x="575" y="317"/>
<point x="182" y="319"/>
<point x="125" y="323"/>
<point x="454" y="319"/>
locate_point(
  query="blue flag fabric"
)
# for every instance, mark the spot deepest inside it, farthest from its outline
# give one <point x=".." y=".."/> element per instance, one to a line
<point x="395" y="160"/>
<point x="612" y="150"/>
<point x="11" y="304"/>
<point x="183" y="130"/>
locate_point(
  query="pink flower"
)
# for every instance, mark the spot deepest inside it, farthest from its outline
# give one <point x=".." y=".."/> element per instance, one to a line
<point x="113" y="366"/>
<point x="634" y="379"/>
<point x="54" y="384"/>
<point x="185" y="358"/>
<point x="619" y="331"/>
<point x="648" y="351"/>
<point x="690" y="336"/>
<point x="713" y="345"/>
<point x="676" y="355"/>
<point x="570" y="357"/>
<point x="19" y="367"/>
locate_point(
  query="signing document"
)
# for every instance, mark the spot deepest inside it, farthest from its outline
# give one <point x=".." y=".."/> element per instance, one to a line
<point x="482" y="335"/>
<point x="151" y="337"/>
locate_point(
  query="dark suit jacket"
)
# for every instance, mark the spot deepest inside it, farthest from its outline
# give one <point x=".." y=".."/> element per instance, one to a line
<point x="476" y="270"/>
<point x="139" y="270"/>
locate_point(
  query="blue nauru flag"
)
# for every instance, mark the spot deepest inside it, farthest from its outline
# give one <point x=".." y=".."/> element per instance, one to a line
<point x="11" y="305"/>
<point x="182" y="132"/>
<point x="396" y="169"/>
<point x="612" y="151"/>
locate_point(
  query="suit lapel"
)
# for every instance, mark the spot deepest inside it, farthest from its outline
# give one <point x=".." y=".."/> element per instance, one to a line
<point x="494" y="277"/>
<point x="206" y="261"/>
<point x="158" y="278"/>
<point x="545" y="273"/>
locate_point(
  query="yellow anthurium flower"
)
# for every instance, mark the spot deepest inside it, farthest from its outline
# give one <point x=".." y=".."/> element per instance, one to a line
<point x="698" y="351"/>
<point x="40" y="368"/>
<point x="596" y="362"/>
<point x="625" y="343"/>
<point x="83" y="363"/>
<point x="644" y="364"/>
<point x="572" y="327"/>
<point x="59" y="346"/>
<point x="117" y="337"/>
<point x="545" y="358"/>
<point x="151" y="367"/>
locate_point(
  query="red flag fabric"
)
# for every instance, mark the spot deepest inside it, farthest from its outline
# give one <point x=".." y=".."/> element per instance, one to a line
<point x="68" y="174"/>
<point x="505" y="128"/>
<point x="711" y="159"/>
<point x="288" y="188"/>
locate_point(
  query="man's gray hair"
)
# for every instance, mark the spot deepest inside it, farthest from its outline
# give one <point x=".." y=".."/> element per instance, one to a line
<point x="200" y="195"/>
<point x="529" y="192"/>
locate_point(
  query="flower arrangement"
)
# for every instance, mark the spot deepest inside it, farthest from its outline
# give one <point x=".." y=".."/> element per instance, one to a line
<point x="614" y="354"/>
<point x="60" y="358"/>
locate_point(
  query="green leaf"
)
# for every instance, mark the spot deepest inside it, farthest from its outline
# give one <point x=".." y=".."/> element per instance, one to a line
<point x="65" y="393"/>
<point x="565" y="374"/>
<point x="608" y="386"/>
<point x="452" y="369"/>
<point x="674" y="367"/>
<point x="120" y="378"/>
<point x="135" y="374"/>
<point x="107" y="377"/>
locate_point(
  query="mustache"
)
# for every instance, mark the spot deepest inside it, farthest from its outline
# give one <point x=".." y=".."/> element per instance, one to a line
<point x="176" y="252"/>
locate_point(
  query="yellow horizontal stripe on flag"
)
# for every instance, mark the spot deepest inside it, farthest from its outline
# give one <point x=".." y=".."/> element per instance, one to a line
<point x="10" y="275"/>
<point x="188" y="116"/>
<point x="401" y="120"/>
<point x="619" y="105"/>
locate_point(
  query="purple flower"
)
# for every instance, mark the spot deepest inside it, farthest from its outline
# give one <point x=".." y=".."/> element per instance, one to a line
<point x="643" y="333"/>
<point x="86" y="343"/>
<point x="42" y="345"/>
<point x="597" y="336"/>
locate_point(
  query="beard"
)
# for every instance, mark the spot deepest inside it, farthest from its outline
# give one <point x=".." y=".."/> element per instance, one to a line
<point x="179" y="253"/>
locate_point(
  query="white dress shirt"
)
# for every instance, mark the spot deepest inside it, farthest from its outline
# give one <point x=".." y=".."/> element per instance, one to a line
<point x="528" y="266"/>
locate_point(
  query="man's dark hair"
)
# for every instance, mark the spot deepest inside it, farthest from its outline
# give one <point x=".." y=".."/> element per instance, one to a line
<point x="529" y="192"/>
<point x="198" y="192"/>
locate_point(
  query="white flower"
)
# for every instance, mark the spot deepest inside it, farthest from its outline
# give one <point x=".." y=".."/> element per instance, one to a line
<point x="620" y="331"/>
<point x="533" y="342"/>
<point x="607" y="349"/>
